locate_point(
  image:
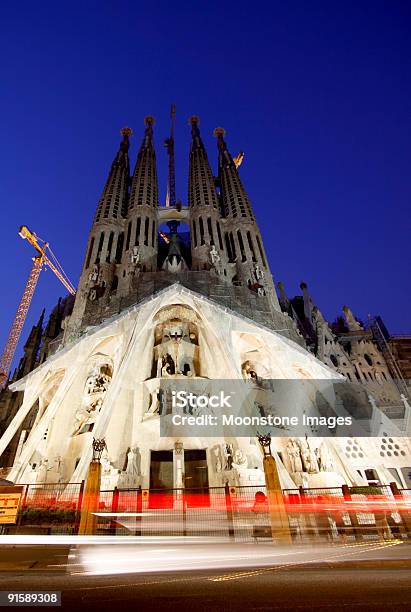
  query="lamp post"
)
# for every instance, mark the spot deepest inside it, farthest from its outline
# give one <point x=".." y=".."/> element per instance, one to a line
<point x="280" y="527"/>
<point x="88" y="520"/>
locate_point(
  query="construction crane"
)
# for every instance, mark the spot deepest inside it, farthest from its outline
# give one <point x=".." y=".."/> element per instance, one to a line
<point x="169" y="144"/>
<point x="44" y="258"/>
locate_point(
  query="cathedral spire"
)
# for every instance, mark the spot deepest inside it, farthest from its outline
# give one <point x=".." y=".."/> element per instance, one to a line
<point x="144" y="187"/>
<point x="113" y="201"/>
<point x="235" y="201"/>
<point x="142" y="222"/>
<point x="242" y="236"/>
<point x="206" y="230"/>
<point x="353" y="324"/>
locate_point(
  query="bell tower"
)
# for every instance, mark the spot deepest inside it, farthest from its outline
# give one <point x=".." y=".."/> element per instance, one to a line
<point x="205" y="218"/>
<point x="242" y="237"/>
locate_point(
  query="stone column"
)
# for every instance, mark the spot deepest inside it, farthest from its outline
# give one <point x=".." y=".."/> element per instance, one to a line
<point x="91" y="497"/>
<point x="280" y="527"/>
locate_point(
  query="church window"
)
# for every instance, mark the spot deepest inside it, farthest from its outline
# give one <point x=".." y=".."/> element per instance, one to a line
<point x="260" y="248"/>
<point x="90" y="251"/>
<point x="153" y="231"/>
<point x="119" y="248"/>
<point x="220" y="240"/>
<point x="228" y="246"/>
<point x="368" y="359"/>
<point x="195" y="234"/>
<point x="146" y="231"/>
<point x="202" y="241"/>
<point x="128" y="236"/>
<point x="334" y="360"/>
<point x="137" y="242"/>
<point x="109" y="246"/>
<point x="234" y="252"/>
<point x="210" y="230"/>
<point x="251" y="246"/>
<point x="241" y="245"/>
<point x="100" y="247"/>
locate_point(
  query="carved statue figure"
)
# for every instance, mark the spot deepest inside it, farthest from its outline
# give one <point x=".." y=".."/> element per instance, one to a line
<point x="261" y="291"/>
<point x="167" y="365"/>
<point x="294" y="455"/>
<point x="58" y="469"/>
<point x="97" y="381"/>
<point x="215" y="256"/>
<point x="308" y="456"/>
<point x="94" y="274"/>
<point x="154" y="406"/>
<point x="132" y="463"/>
<point x="239" y="459"/>
<point x="248" y="371"/>
<point x="218" y="464"/>
<point x="135" y="255"/>
<point x="93" y="295"/>
<point x="228" y="456"/>
<point x="258" y="272"/>
<point x="86" y="417"/>
<point x="324" y="458"/>
<point x="176" y="354"/>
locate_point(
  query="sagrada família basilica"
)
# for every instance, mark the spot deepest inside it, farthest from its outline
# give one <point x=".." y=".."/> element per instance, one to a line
<point x="185" y="293"/>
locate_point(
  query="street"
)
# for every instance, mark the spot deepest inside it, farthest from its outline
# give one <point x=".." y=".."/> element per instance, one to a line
<point x="360" y="576"/>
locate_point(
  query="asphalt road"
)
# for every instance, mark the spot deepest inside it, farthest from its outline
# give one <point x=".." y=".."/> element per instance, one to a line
<point x="352" y="577"/>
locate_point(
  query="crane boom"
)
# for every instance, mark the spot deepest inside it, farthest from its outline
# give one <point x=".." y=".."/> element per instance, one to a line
<point x="19" y="319"/>
<point x="169" y="143"/>
<point x="40" y="261"/>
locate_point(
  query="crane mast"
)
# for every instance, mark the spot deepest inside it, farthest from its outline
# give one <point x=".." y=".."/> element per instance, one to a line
<point x="40" y="262"/>
<point x="169" y="143"/>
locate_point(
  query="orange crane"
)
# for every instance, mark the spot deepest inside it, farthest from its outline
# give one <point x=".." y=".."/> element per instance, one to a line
<point x="40" y="262"/>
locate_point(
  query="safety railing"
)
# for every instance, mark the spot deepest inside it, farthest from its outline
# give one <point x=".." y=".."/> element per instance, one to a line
<point x="240" y="513"/>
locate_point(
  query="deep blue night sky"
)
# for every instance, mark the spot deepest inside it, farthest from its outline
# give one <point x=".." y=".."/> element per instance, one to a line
<point x="317" y="95"/>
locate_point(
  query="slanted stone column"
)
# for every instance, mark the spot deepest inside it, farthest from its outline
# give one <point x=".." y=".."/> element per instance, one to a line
<point x="280" y="527"/>
<point x="89" y="506"/>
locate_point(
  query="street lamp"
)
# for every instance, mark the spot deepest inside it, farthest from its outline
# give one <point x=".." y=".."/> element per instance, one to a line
<point x="265" y="442"/>
<point x="98" y="448"/>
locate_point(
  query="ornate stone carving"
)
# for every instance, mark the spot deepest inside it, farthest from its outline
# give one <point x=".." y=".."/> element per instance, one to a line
<point x="135" y="255"/>
<point x="133" y="463"/>
<point x="248" y="371"/>
<point x="175" y="354"/>
<point x="324" y="459"/>
<point x="294" y="456"/>
<point x="308" y="456"/>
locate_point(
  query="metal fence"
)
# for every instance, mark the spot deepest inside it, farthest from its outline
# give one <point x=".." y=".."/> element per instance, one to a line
<point x="49" y="509"/>
<point x="239" y="513"/>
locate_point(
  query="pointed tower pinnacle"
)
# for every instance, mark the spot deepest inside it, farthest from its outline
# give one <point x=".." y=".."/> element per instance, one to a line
<point x="242" y="236"/>
<point x="352" y="323"/>
<point x="205" y="216"/>
<point x="234" y="197"/>
<point x="142" y="222"/>
<point x="105" y="243"/>
<point x="171" y="182"/>
<point x="113" y="202"/>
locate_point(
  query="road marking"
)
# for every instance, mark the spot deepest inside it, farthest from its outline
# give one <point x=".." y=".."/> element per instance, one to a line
<point x="371" y="546"/>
